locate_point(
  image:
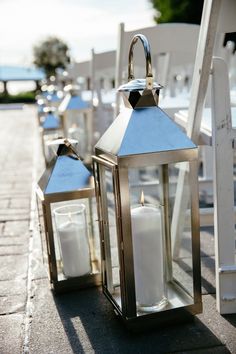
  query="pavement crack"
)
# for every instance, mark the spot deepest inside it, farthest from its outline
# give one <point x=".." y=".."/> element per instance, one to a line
<point x="11" y="313"/>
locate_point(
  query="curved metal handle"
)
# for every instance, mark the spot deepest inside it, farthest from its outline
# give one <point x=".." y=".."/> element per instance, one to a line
<point x="147" y="51"/>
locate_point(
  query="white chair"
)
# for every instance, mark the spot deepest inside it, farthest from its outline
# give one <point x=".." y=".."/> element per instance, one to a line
<point x="96" y="77"/>
<point x="218" y="17"/>
<point x="81" y="71"/>
<point x="103" y="92"/>
<point x="224" y="143"/>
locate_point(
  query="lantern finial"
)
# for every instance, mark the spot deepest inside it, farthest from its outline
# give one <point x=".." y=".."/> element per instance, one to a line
<point x="148" y="97"/>
<point x="67" y="149"/>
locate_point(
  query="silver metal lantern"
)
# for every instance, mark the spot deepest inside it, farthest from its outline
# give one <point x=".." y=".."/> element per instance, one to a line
<point x="67" y="214"/>
<point x="77" y="121"/>
<point x="50" y="129"/>
<point x="136" y="167"/>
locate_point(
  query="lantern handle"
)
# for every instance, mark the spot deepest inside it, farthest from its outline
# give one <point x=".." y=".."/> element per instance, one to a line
<point x="147" y="51"/>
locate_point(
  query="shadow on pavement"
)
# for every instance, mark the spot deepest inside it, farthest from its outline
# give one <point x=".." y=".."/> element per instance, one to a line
<point x="91" y="324"/>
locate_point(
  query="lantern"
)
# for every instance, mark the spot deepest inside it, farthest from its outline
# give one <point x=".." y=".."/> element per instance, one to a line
<point x="141" y="155"/>
<point x="40" y="108"/>
<point x="52" y="95"/>
<point x="50" y="129"/>
<point x="67" y="212"/>
<point x="53" y="145"/>
<point x="77" y="121"/>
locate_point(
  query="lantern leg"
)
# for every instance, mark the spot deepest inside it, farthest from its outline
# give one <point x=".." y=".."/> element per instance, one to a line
<point x="106" y="239"/>
<point x="164" y="181"/>
<point x="39" y="210"/>
<point x="91" y="230"/>
<point x="50" y="242"/>
<point x="193" y="172"/>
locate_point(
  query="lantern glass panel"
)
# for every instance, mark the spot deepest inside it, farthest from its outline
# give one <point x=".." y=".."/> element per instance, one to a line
<point x="76" y="248"/>
<point x="76" y="129"/>
<point x="47" y="139"/>
<point x="112" y="266"/>
<point x="162" y="282"/>
<point x="112" y="231"/>
<point x="182" y="262"/>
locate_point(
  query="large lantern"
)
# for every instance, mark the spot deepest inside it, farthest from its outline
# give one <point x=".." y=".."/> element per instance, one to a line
<point x="141" y="155"/>
<point x="67" y="212"/>
<point x="77" y="121"/>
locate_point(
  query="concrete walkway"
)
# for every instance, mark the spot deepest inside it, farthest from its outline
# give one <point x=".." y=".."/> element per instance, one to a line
<point x="32" y="319"/>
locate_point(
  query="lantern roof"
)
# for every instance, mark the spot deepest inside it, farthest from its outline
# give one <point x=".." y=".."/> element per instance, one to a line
<point x="56" y="143"/>
<point x="51" y="121"/>
<point x="52" y="95"/>
<point x="141" y="131"/>
<point x="71" y="102"/>
<point x="137" y="85"/>
<point x="66" y="173"/>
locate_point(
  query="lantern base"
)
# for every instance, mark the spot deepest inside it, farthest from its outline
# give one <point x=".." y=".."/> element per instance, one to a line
<point x="161" y="319"/>
<point x="154" y="308"/>
<point x="180" y="308"/>
<point x="76" y="283"/>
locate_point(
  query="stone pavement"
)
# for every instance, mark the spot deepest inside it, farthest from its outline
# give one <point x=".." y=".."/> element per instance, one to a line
<point x="32" y="319"/>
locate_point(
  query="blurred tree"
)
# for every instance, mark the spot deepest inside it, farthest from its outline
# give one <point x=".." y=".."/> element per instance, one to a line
<point x="51" y="54"/>
<point x="188" y="11"/>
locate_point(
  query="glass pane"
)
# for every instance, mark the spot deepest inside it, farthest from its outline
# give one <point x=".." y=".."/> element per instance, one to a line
<point x="47" y="139"/>
<point x="76" y="128"/>
<point x="75" y="238"/>
<point x="163" y="279"/>
<point x="112" y="231"/>
<point x="112" y="266"/>
<point x="146" y="180"/>
<point x="182" y="265"/>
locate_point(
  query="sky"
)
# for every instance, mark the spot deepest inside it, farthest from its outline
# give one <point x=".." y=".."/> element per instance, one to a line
<point x="82" y="24"/>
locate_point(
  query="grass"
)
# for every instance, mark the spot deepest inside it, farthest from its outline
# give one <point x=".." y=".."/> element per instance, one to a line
<point x="24" y="97"/>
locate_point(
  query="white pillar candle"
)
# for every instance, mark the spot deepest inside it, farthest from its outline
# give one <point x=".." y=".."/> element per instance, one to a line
<point x="148" y="255"/>
<point x="74" y="249"/>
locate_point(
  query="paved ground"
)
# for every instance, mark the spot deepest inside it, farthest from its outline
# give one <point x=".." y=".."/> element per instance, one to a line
<point x="32" y="319"/>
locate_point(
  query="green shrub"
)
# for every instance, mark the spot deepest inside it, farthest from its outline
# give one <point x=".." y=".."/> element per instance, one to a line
<point x="23" y="97"/>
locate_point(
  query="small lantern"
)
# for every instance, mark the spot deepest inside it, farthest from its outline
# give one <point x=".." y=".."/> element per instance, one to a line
<point x="67" y="210"/>
<point x="77" y="121"/>
<point x="136" y="166"/>
<point x="40" y="108"/>
<point x="50" y="129"/>
<point x="52" y="95"/>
